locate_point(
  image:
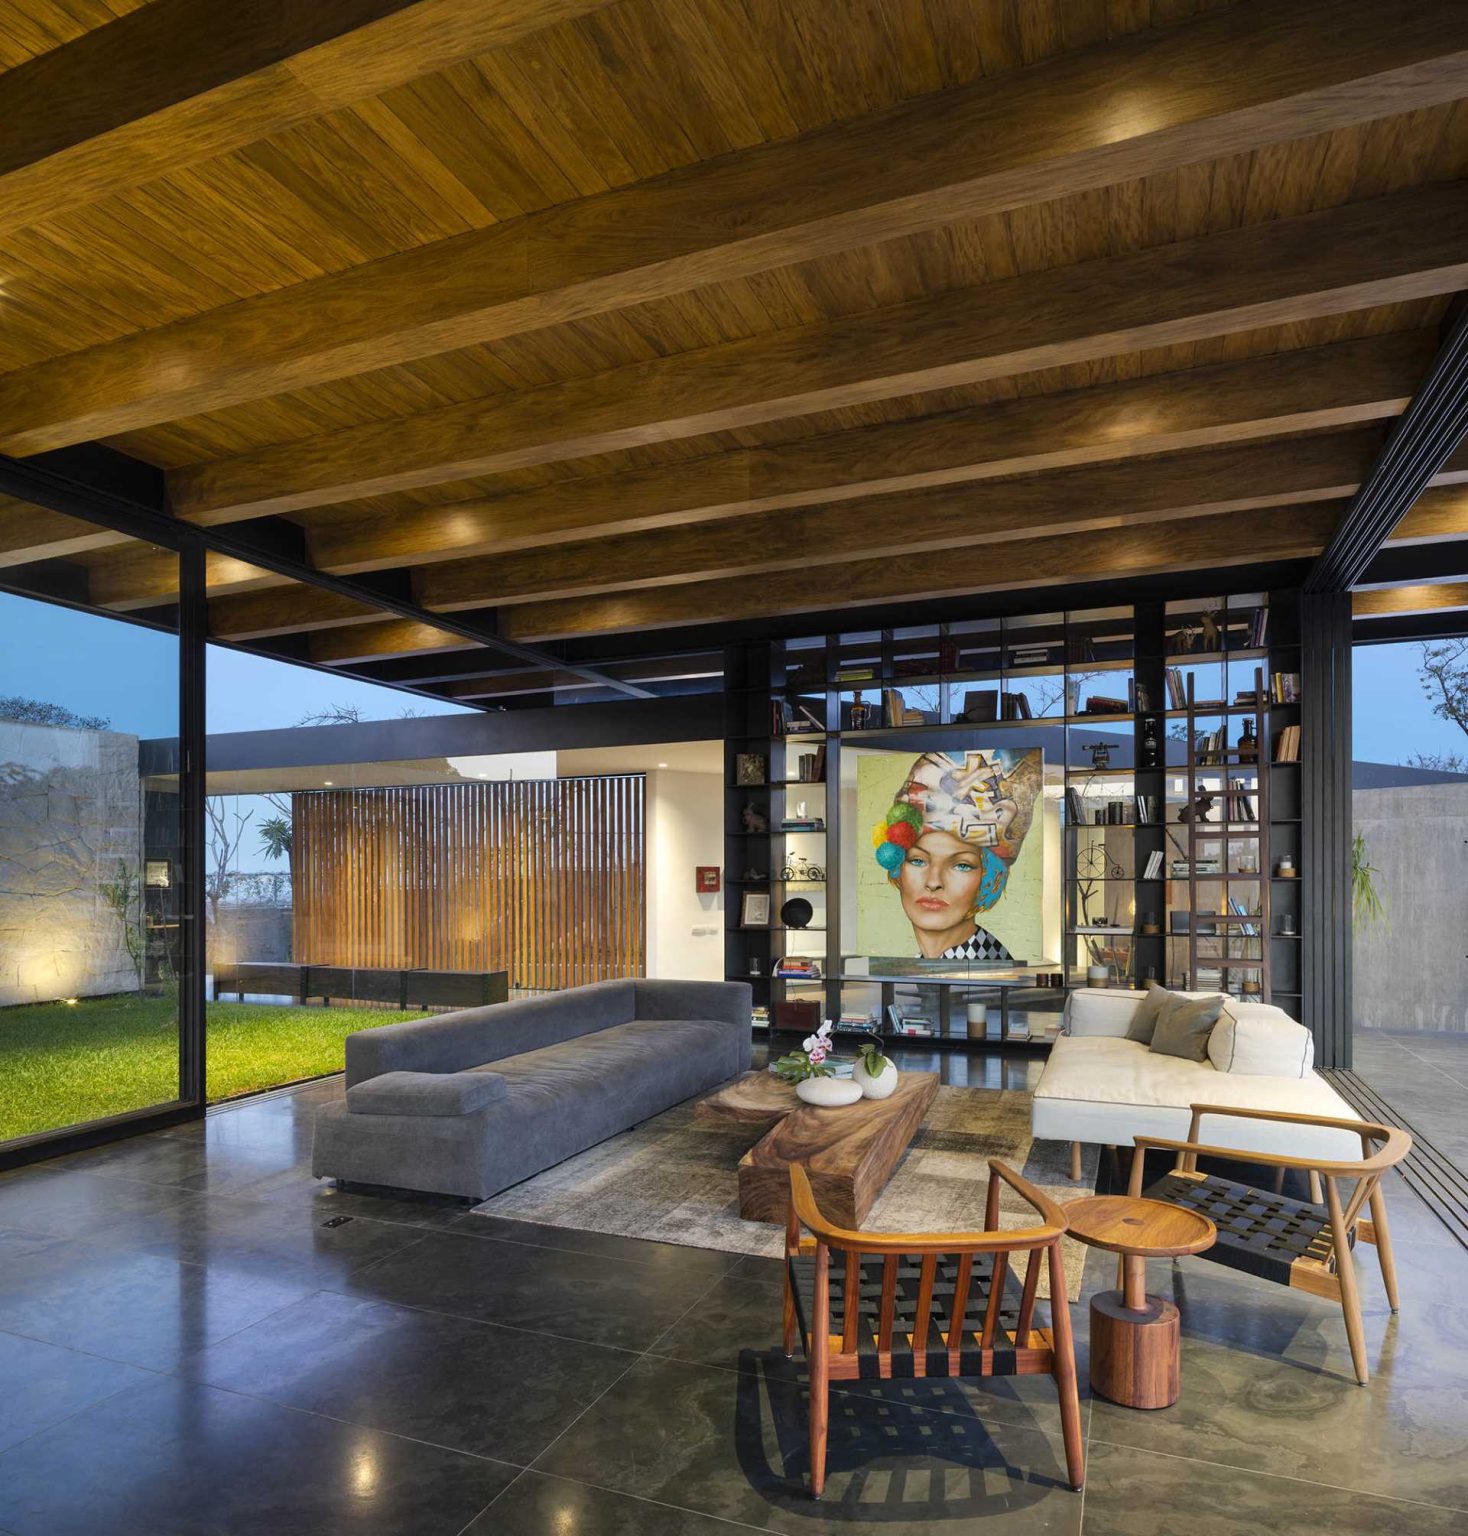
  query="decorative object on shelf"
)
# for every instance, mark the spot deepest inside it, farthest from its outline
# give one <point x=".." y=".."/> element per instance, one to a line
<point x="1248" y="743"/>
<point x="1198" y="810"/>
<point x="1285" y="869"/>
<point x="798" y="867"/>
<point x="749" y="768"/>
<point x="752" y="876"/>
<point x="1150" y="925"/>
<point x="754" y="820"/>
<point x="797" y="913"/>
<point x="829" y="1092"/>
<point x="1100" y="754"/>
<point x="797" y="1015"/>
<point x="875" y="1073"/>
<point x="754" y="909"/>
<point x="706" y="879"/>
<point x="1249" y="987"/>
<point x="1098" y="976"/>
<point x="755" y="968"/>
<point x="811" y="1060"/>
<point x="977" y="1017"/>
<point x="861" y="712"/>
<point x="1287" y="926"/>
<point x="1151" y="750"/>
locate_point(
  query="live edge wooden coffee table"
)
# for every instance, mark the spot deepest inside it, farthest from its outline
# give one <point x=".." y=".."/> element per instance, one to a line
<point x="849" y="1152"/>
<point x="1134" y="1336"/>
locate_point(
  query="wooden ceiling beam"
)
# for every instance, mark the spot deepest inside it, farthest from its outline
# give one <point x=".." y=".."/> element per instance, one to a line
<point x="29" y="533"/>
<point x="1411" y="244"/>
<point x="179" y="81"/>
<point x="1115" y="553"/>
<point x="1251" y="76"/>
<point x="285" y="610"/>
<point x="1431" y="597"/>
<point x="1439" y="514"/>
<point x="1310" y="389"/>
<point x="369" y="642"/>
<point x="991" y="513"/>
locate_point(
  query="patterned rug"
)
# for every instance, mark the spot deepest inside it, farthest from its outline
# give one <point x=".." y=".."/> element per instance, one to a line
<point x="673" y="1179"/>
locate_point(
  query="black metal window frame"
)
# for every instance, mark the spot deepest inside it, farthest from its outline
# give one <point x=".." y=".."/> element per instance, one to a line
<point x="121" y="514"/>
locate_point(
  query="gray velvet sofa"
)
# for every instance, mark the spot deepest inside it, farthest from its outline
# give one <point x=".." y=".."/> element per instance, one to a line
<point x="469" y="1103"/>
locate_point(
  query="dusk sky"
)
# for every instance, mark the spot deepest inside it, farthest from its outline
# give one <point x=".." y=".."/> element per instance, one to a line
<point x="96" y="666"/>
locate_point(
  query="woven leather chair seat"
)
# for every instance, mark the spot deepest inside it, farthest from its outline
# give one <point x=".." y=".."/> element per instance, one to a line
<point x="904" y="1316"/>
<point x="1258" y="1232"/>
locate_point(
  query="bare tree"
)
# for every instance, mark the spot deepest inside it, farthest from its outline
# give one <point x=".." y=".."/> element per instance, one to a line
<point x="334" y="714"/>
<point x="227" y="827"/>
<point x="1443" y="673"/>
<point x="37" y="712"/>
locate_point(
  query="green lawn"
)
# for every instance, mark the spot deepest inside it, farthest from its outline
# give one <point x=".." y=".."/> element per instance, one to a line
<point x="61" y="1064"/>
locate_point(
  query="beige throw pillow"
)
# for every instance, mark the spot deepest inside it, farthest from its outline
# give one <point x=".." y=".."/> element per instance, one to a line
<point x="1184" y="1025"/>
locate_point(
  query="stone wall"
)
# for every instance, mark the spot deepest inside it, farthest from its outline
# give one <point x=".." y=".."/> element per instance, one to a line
<point x="70" y="810"/>
<point x="250" y="933"/>
<point x="1412" y="971"/>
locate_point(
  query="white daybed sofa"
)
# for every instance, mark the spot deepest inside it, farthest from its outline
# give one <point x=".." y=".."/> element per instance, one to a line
<point x="1098" y="1086"/>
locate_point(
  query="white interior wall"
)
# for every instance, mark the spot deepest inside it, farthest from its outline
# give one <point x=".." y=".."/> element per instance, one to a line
<point x="685" y="828"/>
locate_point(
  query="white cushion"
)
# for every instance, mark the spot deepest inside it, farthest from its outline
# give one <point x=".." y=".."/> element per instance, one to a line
<point x="1107" y="1090"/>
<point x="1260" y="1040"/>
<point x="1100" y="1010"/>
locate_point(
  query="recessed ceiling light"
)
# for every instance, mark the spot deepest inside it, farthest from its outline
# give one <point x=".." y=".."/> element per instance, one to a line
<point x="662" y="765"/>
<point x="327" y="783"/>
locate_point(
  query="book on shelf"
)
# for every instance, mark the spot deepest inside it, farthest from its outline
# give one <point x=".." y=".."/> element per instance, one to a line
<point x="1148" y="808"/>
<point x="1287" y="745"/>
<point x="1138" y="696"/>
<point x="790" y="717"/>
<point x="1106" y="704"/>
<point x="981" y="704"/>
<point x="1029" y="656"/>
<point x="908" y="1025"/>
<point x="1074" y="810"/>
<point x="1237" y="907"/>
<point x="1247" y="698"/>
<point x="802" y="823"/>
<point x="1208" y="749"/>
<point x="797" y="968"/>
<point x="1284" y="688"/>
<point x="1153" y="868"/>
<point x="1258" y="628"/>
<point x="1239" y="805"/>
<point x="896" y="712"/>
<point x="1016" y="706"/>
<point x="759" y="1017"/>
<point x="1177" y="697"/>
<point x="856" y="674"/>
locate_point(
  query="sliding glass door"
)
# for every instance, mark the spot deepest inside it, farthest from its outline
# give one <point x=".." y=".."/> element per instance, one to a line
<point x="93" y="907"/>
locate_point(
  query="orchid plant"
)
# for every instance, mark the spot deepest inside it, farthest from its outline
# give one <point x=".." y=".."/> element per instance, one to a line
<point x="810" y="1060"/>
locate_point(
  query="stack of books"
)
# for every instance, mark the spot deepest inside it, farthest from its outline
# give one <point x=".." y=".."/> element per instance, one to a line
<point x="856" y="1023"/>
<point x="895" y="710"/>
<point x="1284" y="688"/>
<point x="1107" y="704"/>
<point x="1238" y="806"/>
<point x="790" y="717"/>
<point x="1287" y="745"/>
<point x="798" y="968"/>
<point x="1016" y="706"/>
<point x="802" y="824"/>
<point x="1153" y="868"/>
<point x="911" y="1026"/>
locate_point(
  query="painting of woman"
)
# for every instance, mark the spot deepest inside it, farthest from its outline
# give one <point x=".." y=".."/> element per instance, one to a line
<point x="948" y="843"/>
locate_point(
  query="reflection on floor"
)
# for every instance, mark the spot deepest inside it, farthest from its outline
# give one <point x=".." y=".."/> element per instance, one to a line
<point x="195" y="1336"/>
<point x="1424" y="1075"/>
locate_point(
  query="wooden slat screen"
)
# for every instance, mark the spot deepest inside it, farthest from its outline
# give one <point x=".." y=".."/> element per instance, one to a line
<point x="543" y="878"/>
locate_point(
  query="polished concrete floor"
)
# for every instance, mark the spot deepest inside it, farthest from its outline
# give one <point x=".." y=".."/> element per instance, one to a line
<point x="197" y="1337"/>
<point x="1423" y="1074"/>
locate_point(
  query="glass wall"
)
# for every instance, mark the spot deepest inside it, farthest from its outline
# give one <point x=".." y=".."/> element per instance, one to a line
<point x="90" y="845"/>
<point x="1410" y="812"/>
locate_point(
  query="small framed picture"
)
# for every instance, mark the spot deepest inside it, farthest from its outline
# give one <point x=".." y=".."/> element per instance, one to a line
<point x="749" y="768"/>
<point x="156" y="874"/>
<point x="706" y="879"/>
<point x="754" y="910"/>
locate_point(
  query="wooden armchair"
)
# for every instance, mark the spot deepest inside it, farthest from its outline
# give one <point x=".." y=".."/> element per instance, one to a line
<point x="927" y="1304"/>
<point x="1301" y="1243"/>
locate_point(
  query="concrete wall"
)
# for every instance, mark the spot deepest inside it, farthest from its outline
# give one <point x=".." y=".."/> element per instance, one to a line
<point x="250" y="933"/>
<point x="685" y="828"/>
<point x="70" y="809"/>
<point x="1412" y="972"/>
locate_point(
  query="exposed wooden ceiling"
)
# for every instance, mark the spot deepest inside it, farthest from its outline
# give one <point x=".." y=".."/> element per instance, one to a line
<point x="595" y="319"/>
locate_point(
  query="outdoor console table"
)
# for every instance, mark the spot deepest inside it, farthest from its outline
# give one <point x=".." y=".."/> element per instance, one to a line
<point x="413" y="987"/>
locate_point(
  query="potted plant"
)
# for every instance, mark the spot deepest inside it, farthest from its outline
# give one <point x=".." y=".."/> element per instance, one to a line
<point x="876" y="1073"/>
<point x="814" y="1079"/>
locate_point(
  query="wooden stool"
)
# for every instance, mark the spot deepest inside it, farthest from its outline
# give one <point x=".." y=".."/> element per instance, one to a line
<point x="1134" y="1336"/>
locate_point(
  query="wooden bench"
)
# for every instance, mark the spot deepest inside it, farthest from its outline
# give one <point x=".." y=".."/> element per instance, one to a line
<point x="414" y="987"/>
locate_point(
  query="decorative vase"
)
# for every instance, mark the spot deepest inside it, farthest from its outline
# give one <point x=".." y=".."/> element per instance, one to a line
<point x="976" y="1015"/>
<point x="882" y="1086"/>
<point x="1097" y="975"/>
<point x="828" y="1092"/>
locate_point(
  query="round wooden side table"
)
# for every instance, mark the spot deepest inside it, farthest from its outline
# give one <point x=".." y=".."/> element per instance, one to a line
<point x="1134" y="1336"/>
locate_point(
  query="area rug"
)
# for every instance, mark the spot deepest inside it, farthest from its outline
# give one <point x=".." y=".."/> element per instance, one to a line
<point x="673" y="1179"/>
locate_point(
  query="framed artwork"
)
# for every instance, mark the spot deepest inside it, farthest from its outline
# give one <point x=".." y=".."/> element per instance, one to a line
<point x="754" y="910"/>
<point x="749" y="768"/>
<point x="156" y="874"/>
<point x="706" y="879"/>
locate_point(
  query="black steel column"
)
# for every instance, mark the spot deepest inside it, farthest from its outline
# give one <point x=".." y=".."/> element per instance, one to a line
<point x="193" y="628"/>
<point x="1325" y="868"/>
